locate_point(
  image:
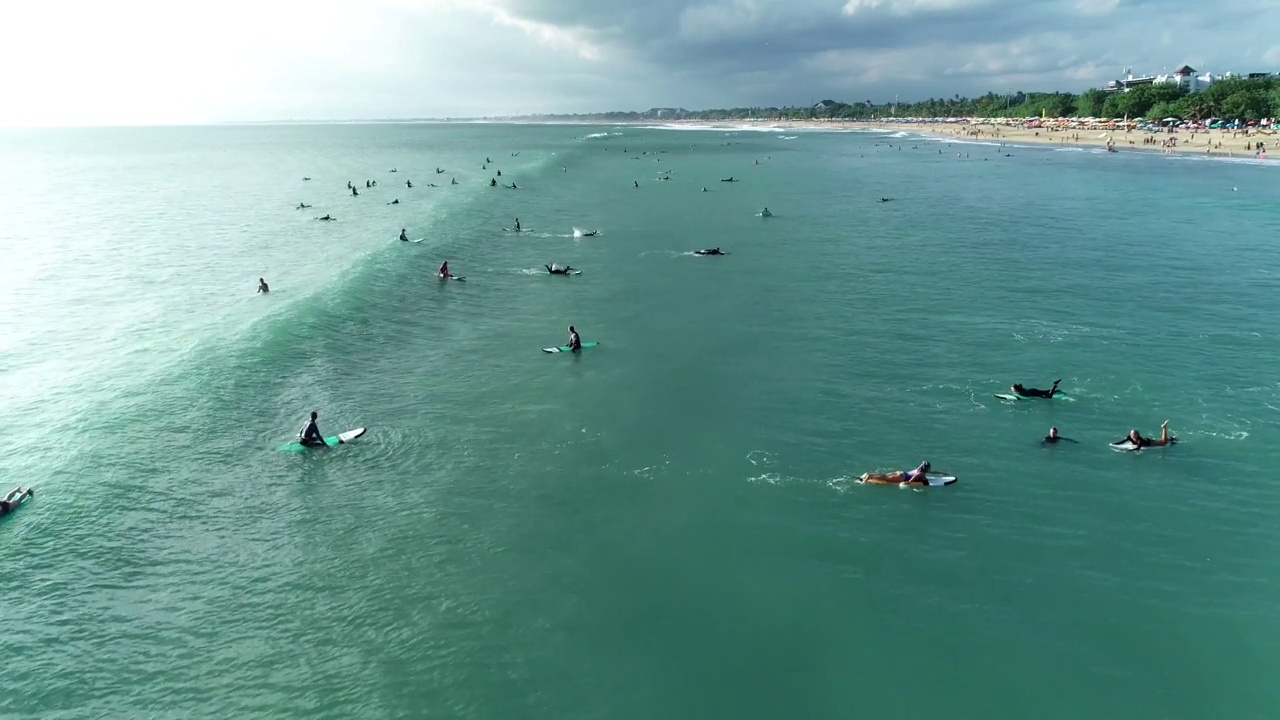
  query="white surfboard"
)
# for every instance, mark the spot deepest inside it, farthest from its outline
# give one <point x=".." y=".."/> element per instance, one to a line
<point x="348" y="436"/>
<point x="939" y="479"/>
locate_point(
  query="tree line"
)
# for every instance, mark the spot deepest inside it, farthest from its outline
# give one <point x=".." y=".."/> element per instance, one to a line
<point x="1229" y="98"/>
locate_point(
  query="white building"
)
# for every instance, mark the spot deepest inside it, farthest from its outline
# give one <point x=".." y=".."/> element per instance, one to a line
<point x="1185" y="77"/>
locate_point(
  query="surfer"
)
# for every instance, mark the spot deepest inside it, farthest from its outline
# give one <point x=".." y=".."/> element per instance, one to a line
<point x="327" y="218"/>
<point x="1054" y="437"/>
<point x="439" y="171"/>
<point x="309" y="435"/>
<point x="367" y="184"/>
<point x="493" y="182"/>
<point x="1136" y="438"/>
<point x="898" y="477"/>
<point x="487" y="161"/>
<point x="16" y="496"/>
<point x="443" y="272"/>
<point x="1017" y="389"/>
<point x="513" y="186"/>
<point x="591" y="233"/>
<point x="710" y="251"/>
<point x="885" y="199"/>
<point x="403" y="236"/>
<point x="499" y="173"/>
<point x="517" y="224"/>
<point x="575" y="342"/>
<point x="262" y="286"/>
<point x="704" y="188"/>
<point x="394" y="202"/>
<point x="453" y="181"/>
<point x="355" y="193"/>
<point x="303" y="206"/>
<point x="408" y="183"/>
<point x="728" y="179"/>
<point x="765" y="213"/>
<point x="555" y="269"/>
<point x="635" y="183"/>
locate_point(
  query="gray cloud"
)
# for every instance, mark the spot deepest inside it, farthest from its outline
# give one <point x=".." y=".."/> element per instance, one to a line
<point x="786" y="51"/>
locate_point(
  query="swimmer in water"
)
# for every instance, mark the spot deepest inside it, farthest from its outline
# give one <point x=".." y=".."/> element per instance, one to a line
<point x="1053" y="437"/>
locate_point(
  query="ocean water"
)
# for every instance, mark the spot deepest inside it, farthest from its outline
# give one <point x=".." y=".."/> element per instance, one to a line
<point x="666" y="525"/>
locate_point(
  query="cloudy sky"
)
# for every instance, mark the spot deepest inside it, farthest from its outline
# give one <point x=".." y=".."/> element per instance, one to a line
<point x="174" y="61"/>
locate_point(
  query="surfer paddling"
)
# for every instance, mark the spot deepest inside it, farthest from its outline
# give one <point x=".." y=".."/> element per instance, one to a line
<point x="16" y="497"/>
<point x="1138" y="441"/>
<point x="899" y="477"/>
<point x="1019" y="390"/>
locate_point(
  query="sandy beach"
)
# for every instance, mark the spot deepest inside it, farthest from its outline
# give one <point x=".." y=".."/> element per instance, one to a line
<point x="1217" y="143"/>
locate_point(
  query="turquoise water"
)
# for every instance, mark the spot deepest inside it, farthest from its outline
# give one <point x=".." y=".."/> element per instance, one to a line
<point x="665" y="525"/>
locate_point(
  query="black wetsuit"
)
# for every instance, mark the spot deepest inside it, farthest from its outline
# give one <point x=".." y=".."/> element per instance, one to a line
<point x="1036" y="392"/>
<point x="310" y="435"/>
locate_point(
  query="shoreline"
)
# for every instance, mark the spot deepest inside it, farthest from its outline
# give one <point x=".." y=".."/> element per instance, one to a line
<point x="1245" y="144"/>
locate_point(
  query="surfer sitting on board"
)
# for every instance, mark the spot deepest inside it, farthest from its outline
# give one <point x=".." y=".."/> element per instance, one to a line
<point x="1017" y="389"/>
<point x="575" y="342"/>
<point x="1136" y="438"/>
<point x="898" y="477"/>
<point x="443" y="272"/>
<point x="262" y="286"/>
<point x="555" y="269"/>
<point x="309" y="435"/>
<point x="15" y="497"/>
<point x="1054" y="437"/>
<point x="403" y="236"/>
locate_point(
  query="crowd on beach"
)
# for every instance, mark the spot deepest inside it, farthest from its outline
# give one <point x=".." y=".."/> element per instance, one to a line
<point x="1239" y="141"/>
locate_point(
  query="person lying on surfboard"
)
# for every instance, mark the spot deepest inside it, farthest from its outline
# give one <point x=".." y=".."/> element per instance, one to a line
<point x="575" y="342"/>
<point x="555" y="269"/>
<point x="309" y="435"/>
<point x="1136" y="438"/>
<point x="710" y="251"/>
<point x="1017" y="389"/>
<point x="898" y="477"/>
<point x="15" y="497"/>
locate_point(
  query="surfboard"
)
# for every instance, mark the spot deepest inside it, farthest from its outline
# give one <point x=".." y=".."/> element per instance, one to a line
<point x="571" y="272"/>
<point x="1006" y="396"/>
<point x="1128" y="446"/>
<point x="454" y="277"/>
<point x="331" y="441"/>
<point x="565" y="348"/>
<point x="939" y="479"/>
